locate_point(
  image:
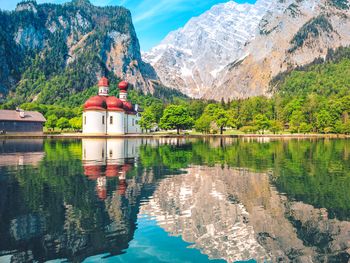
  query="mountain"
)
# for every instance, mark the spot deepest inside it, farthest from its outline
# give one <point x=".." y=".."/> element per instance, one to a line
<point x="191" y="57"/>
<point x="49" y="51"/>
<point x="234" y="51"/>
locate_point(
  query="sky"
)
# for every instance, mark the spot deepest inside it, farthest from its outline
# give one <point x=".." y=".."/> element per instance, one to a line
<point x="153" y="19"/>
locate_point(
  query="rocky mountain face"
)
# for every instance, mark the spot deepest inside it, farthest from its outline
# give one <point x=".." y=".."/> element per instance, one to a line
<point x="73" y="43"/>
<point x="191" y="58"/>
<point x="234" y="51"/>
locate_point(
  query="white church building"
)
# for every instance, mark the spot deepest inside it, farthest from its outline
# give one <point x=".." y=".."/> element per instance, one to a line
<point x="109" y="115"/>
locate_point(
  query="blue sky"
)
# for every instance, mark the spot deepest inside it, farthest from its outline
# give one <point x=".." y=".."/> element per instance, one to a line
<point x="153" y="19"/>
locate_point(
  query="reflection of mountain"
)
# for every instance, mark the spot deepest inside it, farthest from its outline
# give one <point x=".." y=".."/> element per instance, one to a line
<point x="19" y="152"/>
<point x="237" y="214"/>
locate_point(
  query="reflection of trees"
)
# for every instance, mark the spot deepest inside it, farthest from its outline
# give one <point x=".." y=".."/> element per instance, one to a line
<point x="52" y="211"/>
<point x="313" y="171"/>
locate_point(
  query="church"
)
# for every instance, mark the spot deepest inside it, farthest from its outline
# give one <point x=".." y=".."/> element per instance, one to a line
<point x="109" y="115"/>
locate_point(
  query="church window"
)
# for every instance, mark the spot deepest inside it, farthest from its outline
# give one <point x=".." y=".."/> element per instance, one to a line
<point x="103" y="119"/>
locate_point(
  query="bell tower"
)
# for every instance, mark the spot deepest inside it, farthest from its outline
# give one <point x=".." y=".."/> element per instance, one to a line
<point x="103" y="86"/>
<point x="123" y="90"/>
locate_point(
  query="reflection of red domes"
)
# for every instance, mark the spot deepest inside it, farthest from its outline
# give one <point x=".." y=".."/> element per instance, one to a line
<point x="93" y="171"/>
<point x="95" y="103"/>
<point x="114" y="103"/>
<point x="112" y="170"/>
<point x="128" y="106"/>
<point x="123" y="85"/>
<point x="122" y="187"/>
<point x="103" y="82"/>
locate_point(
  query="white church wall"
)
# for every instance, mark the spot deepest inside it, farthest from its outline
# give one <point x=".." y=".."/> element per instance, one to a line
<point x="133" y="124"/>
<point x="94" y="122"/>
<point x="116" y="124"/>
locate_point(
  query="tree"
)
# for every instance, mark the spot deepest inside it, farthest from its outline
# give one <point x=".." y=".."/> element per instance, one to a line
<point x="76" y="123"/>
<point x="261" y="122"/>
<point x="176" y="117"/>
<point x="296" y="119"/>
<point x="62" y="123"/>
<point x="346" y="127"/>
<point x="323" y="120"/>
<point x="276" y="126"/>
<point x="203" y="124"/>
<point x="51" y="122"/>
<point x="305" y="128"/>
<point x="221" y="118"/>
<point x="147" y="119"/>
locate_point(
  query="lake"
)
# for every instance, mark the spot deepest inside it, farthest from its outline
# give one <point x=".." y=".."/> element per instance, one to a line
<point x="175" y="200"/>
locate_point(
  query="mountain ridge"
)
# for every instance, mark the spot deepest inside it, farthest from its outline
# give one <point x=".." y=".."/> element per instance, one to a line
<point x="65" y="48"/>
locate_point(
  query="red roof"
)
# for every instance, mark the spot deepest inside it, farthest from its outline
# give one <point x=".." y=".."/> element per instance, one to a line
<point x="12" y="115"/>
<point x="128" y="106"/>
<point x="103" y="82"/>
<point x="123" y="85"/>
<point x="113" y="103"/>
<point x="95" y="103"/>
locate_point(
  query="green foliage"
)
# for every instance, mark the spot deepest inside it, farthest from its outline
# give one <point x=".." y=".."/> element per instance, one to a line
<point x="305" y="128"/>
<point x="276" y="126"/>
<point x="202" y="124"/>
<point x="261" y="122"/>
<point x="76" y="123"/>
<point x="311" y="29"/>
<point x="147" y="119"/>
<point x="51" y="122"/>
<point x="296" y="119"/>
<point x="342" y="4"/>
<point x="63" y="123"/>
<point x="176" y="117"/>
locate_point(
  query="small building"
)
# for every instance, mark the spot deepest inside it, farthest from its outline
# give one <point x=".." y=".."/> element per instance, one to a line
<point x="109" y="115"/>
<point x="20" y="121"/>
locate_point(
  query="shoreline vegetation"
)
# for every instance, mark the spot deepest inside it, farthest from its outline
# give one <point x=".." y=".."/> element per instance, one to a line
<point x="174" y="135"/>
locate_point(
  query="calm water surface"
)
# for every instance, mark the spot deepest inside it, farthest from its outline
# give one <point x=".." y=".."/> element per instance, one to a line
<point x="174" y="200"/>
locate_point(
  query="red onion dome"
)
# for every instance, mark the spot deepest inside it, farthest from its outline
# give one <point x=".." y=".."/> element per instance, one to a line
<point x="123" y="85"/>
<point x="103" y="82"/>
<point x="113" y="103"/>
<point x="95" y="103"/>
<point x="128" y="106"/>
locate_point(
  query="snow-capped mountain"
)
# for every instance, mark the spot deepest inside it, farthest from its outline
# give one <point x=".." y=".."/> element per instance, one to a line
<point x="190" y="58"/>
<point x="235" y="50"/>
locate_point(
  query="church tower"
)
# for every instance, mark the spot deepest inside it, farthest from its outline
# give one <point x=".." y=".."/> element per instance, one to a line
<point x="103" y="85"/>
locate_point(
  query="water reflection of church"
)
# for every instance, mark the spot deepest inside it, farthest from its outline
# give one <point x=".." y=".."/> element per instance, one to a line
<point x="109" y="158"/>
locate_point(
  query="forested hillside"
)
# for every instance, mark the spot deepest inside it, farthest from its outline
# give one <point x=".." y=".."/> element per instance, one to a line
<point x="51" y="52"/>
